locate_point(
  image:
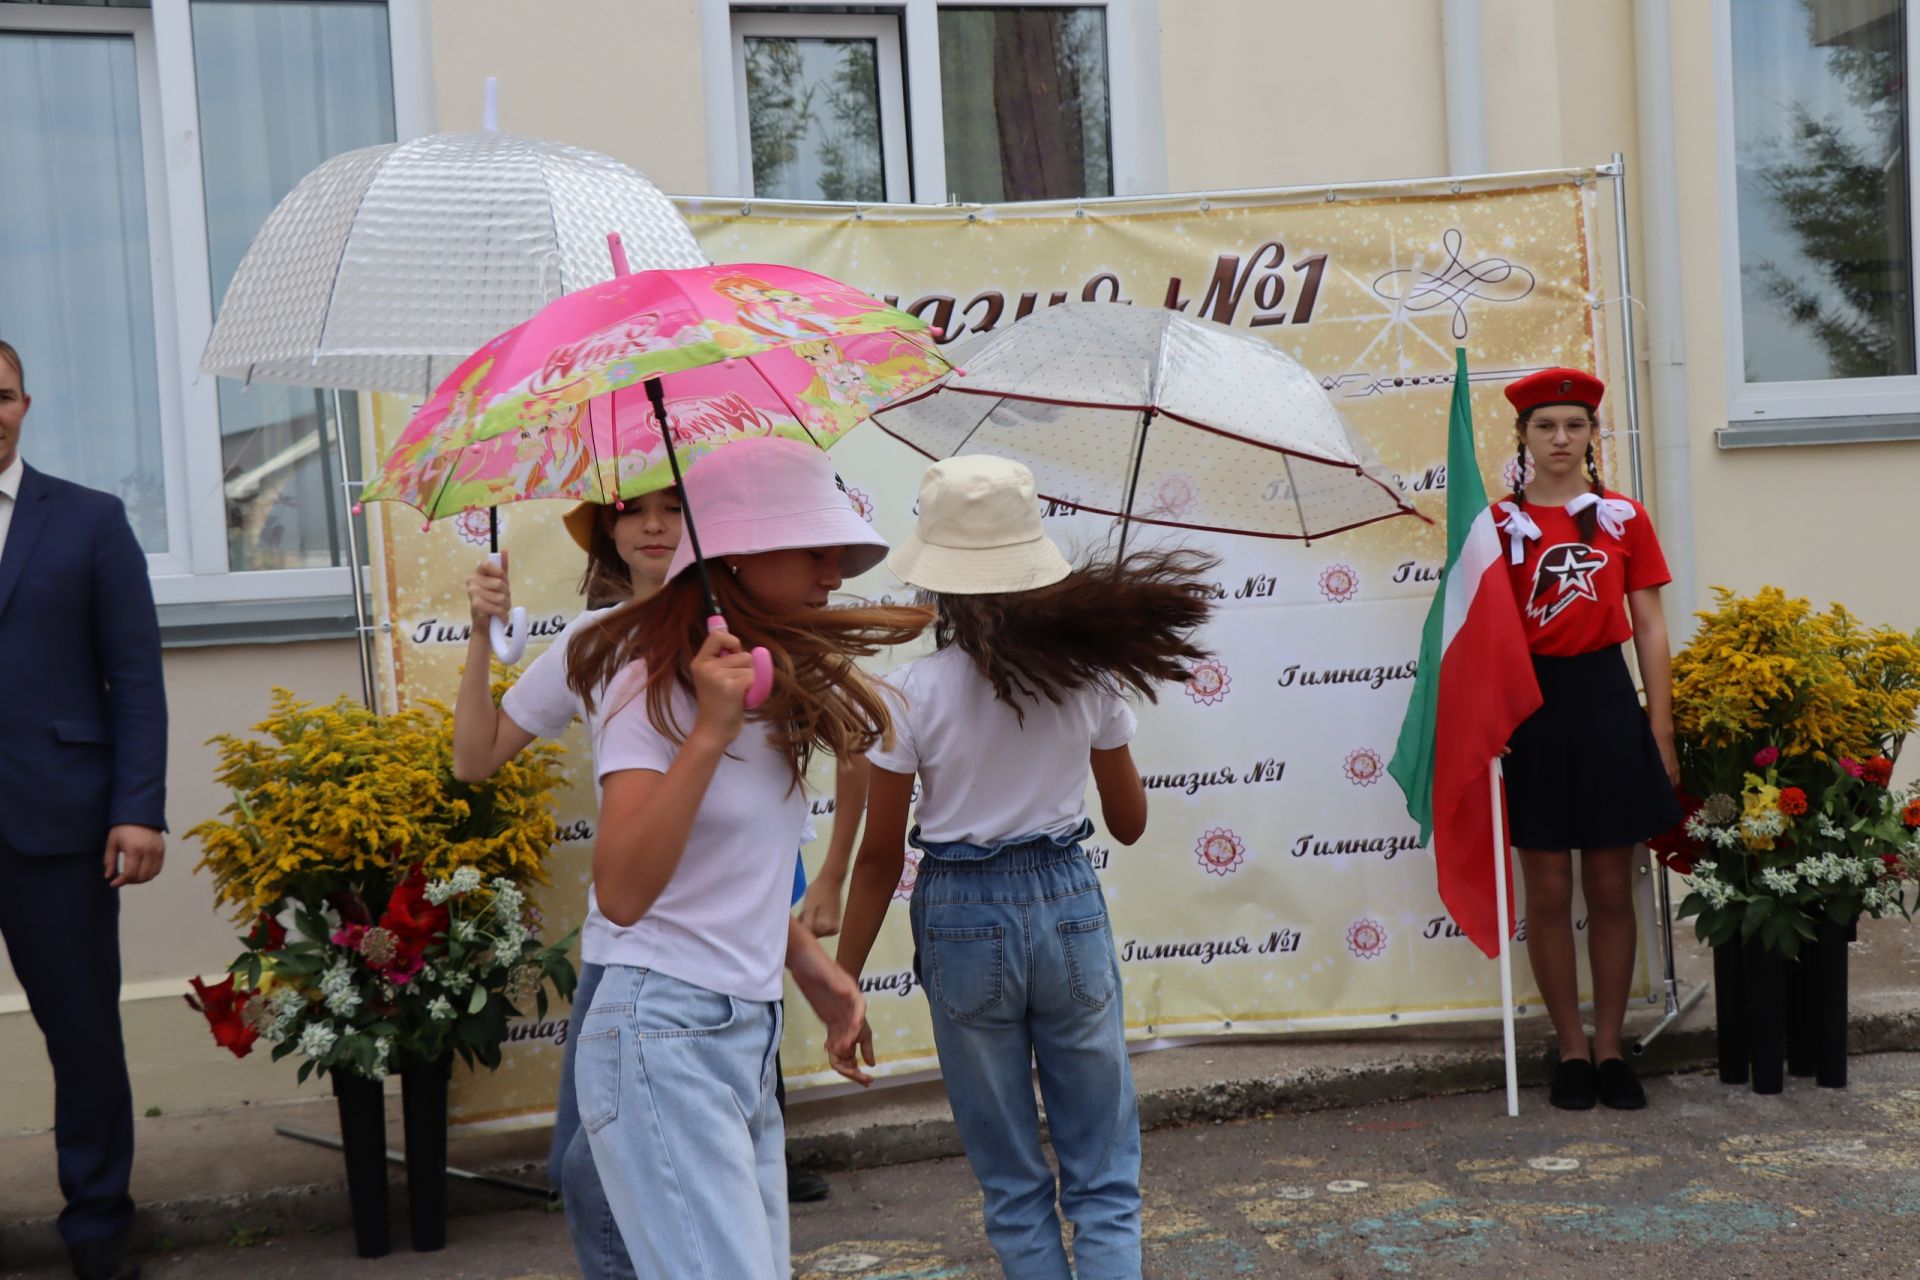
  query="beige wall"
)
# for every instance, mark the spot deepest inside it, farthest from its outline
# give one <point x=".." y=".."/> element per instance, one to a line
<point x="168" y="929"/>
<point x="618" y="76"/>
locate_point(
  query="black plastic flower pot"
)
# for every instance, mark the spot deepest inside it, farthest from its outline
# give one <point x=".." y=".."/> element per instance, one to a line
<point x="423" y="1107"/>
<point x="1730" y="1011"/>
<point x="1827" y="996"/>
<point x="363" y="1138"/>
<point x="1766" y="991"/>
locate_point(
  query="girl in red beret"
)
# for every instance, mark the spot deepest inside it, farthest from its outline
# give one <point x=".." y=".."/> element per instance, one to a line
<point x="1590" y="770"/>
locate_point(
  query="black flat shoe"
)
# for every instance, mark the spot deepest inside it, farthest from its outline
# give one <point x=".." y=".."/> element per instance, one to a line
<point x="1619" y="1087"/>
<point x="804" y="1186"/>
<point x="1575" y="1084"/>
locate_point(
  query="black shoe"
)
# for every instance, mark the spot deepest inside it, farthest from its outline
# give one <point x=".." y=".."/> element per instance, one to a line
<point x="1574" y="1085"/>
<point x="804" y="1186"/>
<point x="1619" y="1087"/>
<point x="104" y="1258"/>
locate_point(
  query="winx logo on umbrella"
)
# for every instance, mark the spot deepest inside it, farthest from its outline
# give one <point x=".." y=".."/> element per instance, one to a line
<point x="1564" y="575"/>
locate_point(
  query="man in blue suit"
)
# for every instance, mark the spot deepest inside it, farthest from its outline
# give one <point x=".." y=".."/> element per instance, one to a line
<point x="83" y="762"/>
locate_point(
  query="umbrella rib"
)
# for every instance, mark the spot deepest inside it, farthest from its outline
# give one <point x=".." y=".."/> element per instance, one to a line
<point x="782" y="398"/>
<point x="971" y="431"/>
<point x="1293" y="488"/>
<point x="333" y="285"/>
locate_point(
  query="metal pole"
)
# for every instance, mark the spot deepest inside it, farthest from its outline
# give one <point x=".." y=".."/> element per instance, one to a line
<point x="1629" y="333"/>
<point x="361" y="638"/>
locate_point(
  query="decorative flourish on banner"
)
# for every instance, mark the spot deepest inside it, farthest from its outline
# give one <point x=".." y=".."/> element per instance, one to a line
<point x="1367" y="938"/>
<point x="909" y="876"/>
<point x="1364" y="767"/>
<point x="1339" y="583"/>
<point x="1172" y="495"/>
<point x="476" y="527"/>
<point x="1455" y="284"/>
<point x="1208" y="682"/>
<point x="1220" y="851"/>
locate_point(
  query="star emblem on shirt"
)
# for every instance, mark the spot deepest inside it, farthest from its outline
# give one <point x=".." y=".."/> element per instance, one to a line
<point x="1563" y="576"/>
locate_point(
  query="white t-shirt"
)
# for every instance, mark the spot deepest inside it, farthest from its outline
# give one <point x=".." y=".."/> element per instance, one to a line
<point x="984" y="777"/>
<point x="721" y="922"/>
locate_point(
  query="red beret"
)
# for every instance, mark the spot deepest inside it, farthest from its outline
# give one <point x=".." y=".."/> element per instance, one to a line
<point x="1556" y="386"/>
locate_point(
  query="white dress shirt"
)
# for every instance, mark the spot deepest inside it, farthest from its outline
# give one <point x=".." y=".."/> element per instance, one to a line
<point x="9" y="496"/>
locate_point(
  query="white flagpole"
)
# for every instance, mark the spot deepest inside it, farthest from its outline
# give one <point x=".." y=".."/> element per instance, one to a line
<point x="1500" y="892"/>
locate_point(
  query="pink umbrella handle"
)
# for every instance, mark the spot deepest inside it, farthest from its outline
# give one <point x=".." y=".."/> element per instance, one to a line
<point x="762" y="667"/>
<point x="508" y="636"/>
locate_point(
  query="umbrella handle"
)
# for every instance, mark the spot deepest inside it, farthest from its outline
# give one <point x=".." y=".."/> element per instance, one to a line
<point x="762" y="667"/>
<point x="509" y="636"/>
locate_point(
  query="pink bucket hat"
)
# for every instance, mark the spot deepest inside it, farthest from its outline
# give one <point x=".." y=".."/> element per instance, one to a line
<point x="772" y="494"/>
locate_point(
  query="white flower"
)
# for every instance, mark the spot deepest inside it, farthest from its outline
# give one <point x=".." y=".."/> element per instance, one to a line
<point x="1705" y="869"/>
<point x="342" y="1004"/>
<point x="317" y="1040"/>
<point x="464" y="930"/>
<point x="382" y="1050"/>
<point x="456" y="980"/>
<point x="507" y="899"/>
<point x="336" y="980"/>
<point x="440" y="1010"/>
<point x="466" y="879"/>
<point x="438" y="891"/>
<point x="1780" y="881"/>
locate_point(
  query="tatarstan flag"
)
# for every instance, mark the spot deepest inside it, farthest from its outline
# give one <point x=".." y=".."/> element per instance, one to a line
<point x="1474" y="687"/>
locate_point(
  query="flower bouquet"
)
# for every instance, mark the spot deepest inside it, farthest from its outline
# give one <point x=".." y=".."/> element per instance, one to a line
<point x="1788" y="724"/>
<point x="386" y="900"/>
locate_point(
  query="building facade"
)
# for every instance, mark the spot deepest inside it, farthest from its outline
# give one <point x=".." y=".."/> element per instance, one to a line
<point x="1767" y="147"/>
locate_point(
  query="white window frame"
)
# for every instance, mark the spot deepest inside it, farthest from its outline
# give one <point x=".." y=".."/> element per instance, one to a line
<point x="195" y="568"/>
<point x="1135" y="132"/>
<point x="884" y="31"/>
<point x="1749" y="402"/>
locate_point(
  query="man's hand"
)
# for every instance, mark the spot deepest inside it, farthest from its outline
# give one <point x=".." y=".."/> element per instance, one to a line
<point x="134" y="854"/>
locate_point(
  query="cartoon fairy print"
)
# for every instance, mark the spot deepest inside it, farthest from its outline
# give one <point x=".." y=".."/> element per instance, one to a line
<point x="767" y="311"/>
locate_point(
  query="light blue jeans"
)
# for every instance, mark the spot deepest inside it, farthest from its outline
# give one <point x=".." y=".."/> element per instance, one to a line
<point x="676" y="1096"/>
<point x="597" y="1245"/>
<point x="1013" y="946"/>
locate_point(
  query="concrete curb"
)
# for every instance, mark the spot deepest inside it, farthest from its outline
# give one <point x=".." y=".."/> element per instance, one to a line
<point x="914" y="1124"/>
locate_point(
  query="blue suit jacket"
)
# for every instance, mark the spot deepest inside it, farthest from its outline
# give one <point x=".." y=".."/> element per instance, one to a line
<point x="83" y="712"/>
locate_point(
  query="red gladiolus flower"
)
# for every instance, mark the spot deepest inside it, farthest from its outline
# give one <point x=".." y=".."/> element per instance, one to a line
<point x="223" y="1009"/>
<point x="1793" y="801"/>
<point x="1674" y="848"/>
<point x="267" y="934"/>
<point x="415" y="924"/>
<point x="1878" y="771"/>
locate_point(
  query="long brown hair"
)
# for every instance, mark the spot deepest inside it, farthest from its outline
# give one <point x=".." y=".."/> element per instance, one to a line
<point x="820" y="700"/>
<point x="1112" y="625"/>
<point x="607" y="579"/>
<point x="1588" y="521"/>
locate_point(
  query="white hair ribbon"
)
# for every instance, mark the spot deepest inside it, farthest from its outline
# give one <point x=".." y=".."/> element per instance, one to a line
<point x="1613" y="512"/>
<point x="1518" y="526"/>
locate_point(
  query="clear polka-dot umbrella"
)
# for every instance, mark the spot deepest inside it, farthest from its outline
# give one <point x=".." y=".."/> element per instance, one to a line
<point x="1153" y="416"/>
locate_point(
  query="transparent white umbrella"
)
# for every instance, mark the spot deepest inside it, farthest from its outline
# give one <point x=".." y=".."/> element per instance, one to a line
<point x="1151" y="415"/>
<point x="386" y="267"/>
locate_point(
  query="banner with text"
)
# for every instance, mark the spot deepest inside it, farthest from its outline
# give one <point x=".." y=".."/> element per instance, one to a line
<point x="1280" y="885"/>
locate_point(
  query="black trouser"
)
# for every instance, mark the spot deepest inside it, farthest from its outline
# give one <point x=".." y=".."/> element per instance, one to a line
<point x="61" y="923"/>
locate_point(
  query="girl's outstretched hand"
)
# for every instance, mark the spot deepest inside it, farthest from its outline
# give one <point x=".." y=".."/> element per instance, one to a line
<point x="721" y="674"/>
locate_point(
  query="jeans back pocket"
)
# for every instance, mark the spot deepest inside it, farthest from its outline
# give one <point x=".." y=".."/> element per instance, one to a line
<point x="968" y="968"/>
<point x="597" y="1067"/>
<point x="1089" y="949"/>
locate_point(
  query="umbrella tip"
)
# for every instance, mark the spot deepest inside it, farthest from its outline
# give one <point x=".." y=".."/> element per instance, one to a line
<point x="359" y="508"/>
<point x="619" y="504"/>
<point x="937" y="332"/>
<point x="427" y="527"/>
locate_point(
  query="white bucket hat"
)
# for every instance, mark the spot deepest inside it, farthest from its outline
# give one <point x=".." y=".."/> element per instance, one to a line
<point x="979" y="531"/>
